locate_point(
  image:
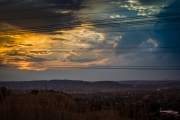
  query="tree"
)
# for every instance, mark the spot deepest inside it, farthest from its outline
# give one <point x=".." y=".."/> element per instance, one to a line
<point x="35" y="92"/>
<point x="5" y="92"/>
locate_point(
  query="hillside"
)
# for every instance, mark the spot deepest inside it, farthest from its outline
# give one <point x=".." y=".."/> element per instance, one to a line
<point x="54" y="106"/>
<point x="66" y="85"/>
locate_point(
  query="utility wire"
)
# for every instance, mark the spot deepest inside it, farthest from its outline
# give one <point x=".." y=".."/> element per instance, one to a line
<point x="58" y="6"/>
<point x="65" y="5"/>
<point x="76" y="49"/>
<point x="117" y="19"/>
<point x="120" y="19"/>
<point x="116" y="51"/>
<point x="144" y="30"/>
<point x="105" y="67"/>
<point x="89" y="48"/>
<point x="107" y="22"/>
<point x="114" y="66"/>
<point x="101" y="25"/>
<point x="63" y="15"/>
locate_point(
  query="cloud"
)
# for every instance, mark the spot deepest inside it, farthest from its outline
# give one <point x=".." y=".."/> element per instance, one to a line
<point x="61" y="18"/>
<point x="145" y="7"/>
<point x="168" y="38"/>
<point x="117" y="16"/>
<point x="115" y="44"/>
<point x="153" y="42"/>
<point x="86" y="44"/>
<point x="36" y="51"/>
<point x="166" y="42"/>
<point x="11" y="44"/>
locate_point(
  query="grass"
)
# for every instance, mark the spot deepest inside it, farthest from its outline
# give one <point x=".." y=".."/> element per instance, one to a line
<point x="59" y="106"/>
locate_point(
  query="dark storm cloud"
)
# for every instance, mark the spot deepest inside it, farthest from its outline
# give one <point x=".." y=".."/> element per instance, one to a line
<point x="30" y="21"/>
<point x="68" y="4"/>
<point x="169" y="38"/>
<point x="162" y="37"/>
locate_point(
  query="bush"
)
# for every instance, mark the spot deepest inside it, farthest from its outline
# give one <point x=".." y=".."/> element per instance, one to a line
<point x="35" y="92"/>
<point x="5" y="92"/>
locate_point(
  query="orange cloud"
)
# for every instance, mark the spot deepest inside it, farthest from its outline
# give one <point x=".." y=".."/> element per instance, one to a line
<point x="34" y="51"/>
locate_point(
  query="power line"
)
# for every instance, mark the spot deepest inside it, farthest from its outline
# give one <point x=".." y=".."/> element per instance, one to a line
<point x="125" y="31"/>
<point x="80" y="49"/>
<point x="107" y="22"/>
<point x="114" y="48"/>
<point x="65" y="5"/>
<point x="110" y="66"/>
<point x="145" y="30"/>
<point x="61" y="15"/>
<point x="57" y="6"/>
<point x="105" y="67"/>
<point x="50" y="7"/>
<point x="128" y="52"/>
<point x="105" y="50"/>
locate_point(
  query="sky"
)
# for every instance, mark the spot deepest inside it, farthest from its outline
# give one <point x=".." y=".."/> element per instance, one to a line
<point x="89" y="40"/>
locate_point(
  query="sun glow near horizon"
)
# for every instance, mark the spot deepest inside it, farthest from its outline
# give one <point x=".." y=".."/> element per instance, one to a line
<point x="38" y="51"/>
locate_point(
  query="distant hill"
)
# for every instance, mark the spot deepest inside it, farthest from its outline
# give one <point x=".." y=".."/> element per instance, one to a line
<point x="66" y="85"/>
<point x="104" y="86"/>
<point x="152" y="83"/>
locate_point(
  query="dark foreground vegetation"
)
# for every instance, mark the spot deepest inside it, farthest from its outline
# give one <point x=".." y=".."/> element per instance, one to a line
<point x="127" y="104"/>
